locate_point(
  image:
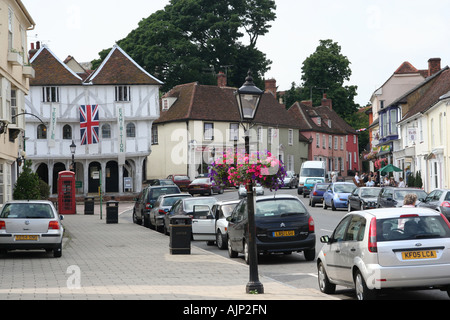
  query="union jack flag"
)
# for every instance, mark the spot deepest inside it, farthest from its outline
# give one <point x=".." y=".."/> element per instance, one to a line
<point x="89" y="124"/>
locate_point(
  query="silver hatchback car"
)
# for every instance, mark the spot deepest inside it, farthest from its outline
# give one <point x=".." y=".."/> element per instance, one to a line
<point x="29" y="225"/>
<point x="377" y="249"/>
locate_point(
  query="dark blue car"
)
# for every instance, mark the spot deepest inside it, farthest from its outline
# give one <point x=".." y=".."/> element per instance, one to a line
<point x="316" y="194"/>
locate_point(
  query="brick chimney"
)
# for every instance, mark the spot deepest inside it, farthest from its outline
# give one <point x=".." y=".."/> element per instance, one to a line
<point x="271" y="86"/>
<point x="434" y="65"/>
<point x="326" y="102"/>
<point x="307" y="103"/>
<point x="33" y="51"/>
<point x="221" y="80"/>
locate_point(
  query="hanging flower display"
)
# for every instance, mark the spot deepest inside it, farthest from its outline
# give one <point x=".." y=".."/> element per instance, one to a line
<point x="380" y="163"/>
<point x="237" y="169"/>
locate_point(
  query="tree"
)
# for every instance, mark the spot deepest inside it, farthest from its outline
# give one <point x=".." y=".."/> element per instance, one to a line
<point x="192" y="39"/>
<point x="27" y="185"/>
<point x="325" y="71"/>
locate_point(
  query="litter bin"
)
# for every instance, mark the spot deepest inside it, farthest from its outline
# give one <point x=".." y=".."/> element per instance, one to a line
<point x="112" y="211"/>
<point x="88" y="205"/>
<point x="180" y="234"/>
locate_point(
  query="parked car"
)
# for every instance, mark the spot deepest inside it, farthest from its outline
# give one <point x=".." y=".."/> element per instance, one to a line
<point x="316" y="195"/>
<point x="31" y="225"/>
<point x="195" y="208"/>
<point x="393" y="197"/>
<point x="182" y="181"/>
<point x="283" y="225"/>
<point x="221" y="211"/>
<point x="372" y="250"/>
<point x="336" y="195"/>
<point x="204" y="186"/>
<point x="154" y="219"/>
<point x="363" y="198"/>
<point x="162" y="182"/>
<point x="242" y="191"/>
<point x="309" y="185"/>
<point x="147" y="198"/>
<point x="438" y="199"/>
<point x="291" y="180"/>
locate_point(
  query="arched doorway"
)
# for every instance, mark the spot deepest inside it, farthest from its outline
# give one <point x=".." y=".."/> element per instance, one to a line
<point x="94" y="177"/>
<point x="112" y="177"/>
<point x="57" y="168"/>
<point x="42" y="172"/>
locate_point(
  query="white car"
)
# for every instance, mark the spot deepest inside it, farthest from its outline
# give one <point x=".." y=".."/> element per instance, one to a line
<point x="376" y="249"/>
<point x="221" y="211"/>
<point x="31" y="225"/>
<point x="242" y="192"/>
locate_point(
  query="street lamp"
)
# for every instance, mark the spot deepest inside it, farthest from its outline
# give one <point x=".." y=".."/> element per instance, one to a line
<point x="248" y="97"/>
<point x="73" y="147"/>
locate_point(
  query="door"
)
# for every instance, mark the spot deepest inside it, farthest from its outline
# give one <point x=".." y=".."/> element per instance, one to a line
<point x="236" y="226"/>
<point x="203" y="223"/>
<point x="350" y="248"/>
<point x="334" y="250"/>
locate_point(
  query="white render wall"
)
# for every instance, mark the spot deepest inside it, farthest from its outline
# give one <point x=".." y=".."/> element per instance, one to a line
<point x="142" y="110"/>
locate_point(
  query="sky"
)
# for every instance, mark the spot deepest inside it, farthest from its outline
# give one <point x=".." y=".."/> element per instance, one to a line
<point x="377" y="36"/>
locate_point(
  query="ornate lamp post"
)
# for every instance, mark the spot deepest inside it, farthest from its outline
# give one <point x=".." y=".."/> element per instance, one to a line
<point x="248" y="97"/>
<point x="73" y="147"/>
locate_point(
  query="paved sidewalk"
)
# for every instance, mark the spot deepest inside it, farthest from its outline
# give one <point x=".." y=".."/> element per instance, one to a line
<point x="127" y="261"/>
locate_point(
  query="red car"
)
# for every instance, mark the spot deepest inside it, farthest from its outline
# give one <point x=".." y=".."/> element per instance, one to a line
<point x="204" y="186"/>
<point x="182" y="181"/>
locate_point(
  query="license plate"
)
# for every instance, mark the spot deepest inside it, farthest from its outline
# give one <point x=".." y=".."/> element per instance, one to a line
<point x="26" y="237"/>
<point x="422" y="254"/>
<point x="289" y="233"/>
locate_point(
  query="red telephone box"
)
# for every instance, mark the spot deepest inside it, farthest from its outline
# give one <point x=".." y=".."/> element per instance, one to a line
<point x="66" y="192"/>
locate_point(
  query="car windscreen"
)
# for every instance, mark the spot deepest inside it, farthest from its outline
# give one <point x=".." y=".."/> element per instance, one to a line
<point x="180" y="178"/>
<point x="27" y="211"/>
<point x="156" y="192"/>
<point x="312" y="181"/>
<point x="322" y="186"/>
<point x="399" y="195"/>
<point x="169" y="201"/>
<point x="201" y="181"/>
<point x="189" y="204"/>
<point x="412" y="227"/>
<point x="227" y="209"/>
<point x="344" y="188"/>
<point x="312" y="172"/>
<point x="370" y="192"/>
<point x="279" y="208"/>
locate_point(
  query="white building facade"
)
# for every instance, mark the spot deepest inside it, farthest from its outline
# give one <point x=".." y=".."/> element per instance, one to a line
<point x="118" y="137"/>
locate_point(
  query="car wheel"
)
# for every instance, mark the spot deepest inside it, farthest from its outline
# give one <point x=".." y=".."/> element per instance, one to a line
<point x="231" y="252"/>
<point x="333" y="206"/>
<point x="310" y="254"/>
<point x="325" y="285"/>
<point x="221" y="240"/>
<point x="57" y="252"/>
<point x="362" y="292"/>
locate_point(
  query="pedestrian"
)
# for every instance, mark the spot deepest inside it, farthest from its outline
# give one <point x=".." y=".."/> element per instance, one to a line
<point x="386" y="181"/>
<point x="410" y="200"/>
<point x="370" y="182"/>
<point x="333" y="177"/>
<point x="392" y="182"/>
<point x="356" y="178"/>
<point x="401" y="184"/>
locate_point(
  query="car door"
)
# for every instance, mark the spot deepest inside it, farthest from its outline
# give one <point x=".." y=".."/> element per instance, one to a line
<point x="350" y="248"/>
<point x="203" y="223"/>
<point x="353" y="199"/>
<point x="334" y="250"/>
<point x="327" y="195"/>
<point x="236" y="226"/>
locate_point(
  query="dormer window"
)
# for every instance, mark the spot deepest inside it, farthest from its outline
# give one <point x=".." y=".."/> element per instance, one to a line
<point x="329" y="123"/>
<point x="317" y="120"/>
<point x="168" y="102"/>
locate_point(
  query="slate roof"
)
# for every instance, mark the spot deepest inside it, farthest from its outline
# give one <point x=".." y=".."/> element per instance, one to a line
<point x="439" y="88"/>
<point x="117" y="68"/>
<point x="213" y="103"/>
<point x="304" y="115"/>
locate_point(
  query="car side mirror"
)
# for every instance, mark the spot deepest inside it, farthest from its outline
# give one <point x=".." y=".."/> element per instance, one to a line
<point x="230" y="219"/>
<point x="325" y="239"/>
